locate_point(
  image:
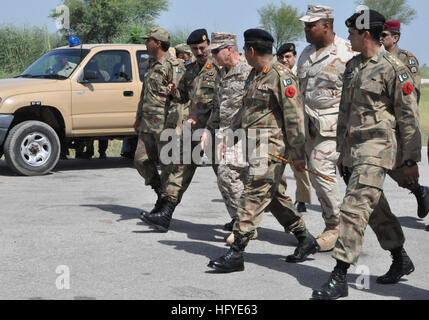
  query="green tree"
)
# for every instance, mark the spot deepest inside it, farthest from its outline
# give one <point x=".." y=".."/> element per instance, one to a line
<point x="179" y="35"/>
<point x="282" y="22"/>
<point x="392" y="9"/>
<point x="100" y="21"/>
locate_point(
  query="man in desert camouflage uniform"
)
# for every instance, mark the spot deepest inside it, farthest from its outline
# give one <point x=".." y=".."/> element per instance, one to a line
<point x="390" y="38"/>
<point x="378" y="112"/>
<point x="229" y="92"/>
<point x="156" y="112"/>
<point x="320" y="70"/>
<point x="196" y="87"/>
<point x="287" y="56"/>
<point x="272" y="107"/>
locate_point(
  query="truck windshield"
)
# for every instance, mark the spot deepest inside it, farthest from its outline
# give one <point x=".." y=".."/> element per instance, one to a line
<point x="56" y="64"/>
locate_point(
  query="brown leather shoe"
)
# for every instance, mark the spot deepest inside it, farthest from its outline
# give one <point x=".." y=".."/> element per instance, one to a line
<point x="328" y="239"/>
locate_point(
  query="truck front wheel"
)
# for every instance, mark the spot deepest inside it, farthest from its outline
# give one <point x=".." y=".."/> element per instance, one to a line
<point x="32" y="148"/>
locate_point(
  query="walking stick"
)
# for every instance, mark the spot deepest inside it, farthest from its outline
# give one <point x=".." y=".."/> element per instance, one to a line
<point x="310" y="171"/>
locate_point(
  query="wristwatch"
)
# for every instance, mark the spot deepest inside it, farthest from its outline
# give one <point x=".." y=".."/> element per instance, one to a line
<point x="410" y="163"/>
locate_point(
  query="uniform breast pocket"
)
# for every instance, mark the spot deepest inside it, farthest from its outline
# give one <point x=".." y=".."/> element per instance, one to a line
<point x="370" y="91"/>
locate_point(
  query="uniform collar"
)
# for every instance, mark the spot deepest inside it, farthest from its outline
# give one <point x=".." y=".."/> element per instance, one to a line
<point x="236" y="69"/>
<point x="331" y="49"/>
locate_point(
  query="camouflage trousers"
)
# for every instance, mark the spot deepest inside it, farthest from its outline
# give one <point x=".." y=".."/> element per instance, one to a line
<point x="180" y="177"/>
<point x="264" y="190"/>
<point x="363" y="204"/>
<point x="303" y="188"/>
<point x="322" y="158"/>
<point x="230" y="180"/>
<point x="147" y="160"/>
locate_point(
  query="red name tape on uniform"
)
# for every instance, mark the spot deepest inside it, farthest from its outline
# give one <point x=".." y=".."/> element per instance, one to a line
<point x="408" y="89"/>
<point x="290" y="92"/>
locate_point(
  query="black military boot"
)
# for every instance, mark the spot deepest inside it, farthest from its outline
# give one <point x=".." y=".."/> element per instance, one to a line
<point x="233" y="260"/>
<point x="300" y="207"/>
<point x="336" y="287"/>
<point x="422" y="196"/>
<point x="401" y="266"/>
<point x="307" y="245"/>
<point x="160" y="219"/>
<point x="228" y="226"/>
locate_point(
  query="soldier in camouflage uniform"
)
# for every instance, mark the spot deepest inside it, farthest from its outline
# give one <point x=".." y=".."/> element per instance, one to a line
<point x="320" y="69"/>
<point x="196" y="87"/>
<point x="390" y="38"/>
<point x="272" y="107"/>
<point x="378" y="112"/>
<point x="229" y="92"/>
<point x="155" y="111"/>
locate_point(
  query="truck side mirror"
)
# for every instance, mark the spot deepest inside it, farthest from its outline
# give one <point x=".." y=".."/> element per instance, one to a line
<point x="89" y="75"/>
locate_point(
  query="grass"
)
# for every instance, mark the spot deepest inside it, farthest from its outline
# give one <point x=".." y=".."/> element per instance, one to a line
<point x="425" y="72"/>
<point x="424" y="113"/>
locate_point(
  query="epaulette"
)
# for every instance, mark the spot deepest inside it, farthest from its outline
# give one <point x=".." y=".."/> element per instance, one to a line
<point x="395" y="62"/>
<point x="284" y="72"/>
<point x="173" y="61"/>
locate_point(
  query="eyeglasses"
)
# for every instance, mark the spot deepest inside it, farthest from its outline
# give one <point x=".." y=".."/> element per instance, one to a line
<point x="216" y="51"/>
<point x="384" y="34"/>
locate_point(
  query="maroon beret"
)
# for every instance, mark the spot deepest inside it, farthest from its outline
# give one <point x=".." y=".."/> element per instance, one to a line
<point x="392" y="25"/>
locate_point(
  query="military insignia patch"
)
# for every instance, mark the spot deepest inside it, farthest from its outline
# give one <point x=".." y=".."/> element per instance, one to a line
<point x="412" y="62"/>
<point x="209" y="66"/>
<point x="179" y="70"/>
<point x="403" y="77"/>
<point x="266" y="69"/>
<point x="414" y="69"/>
<point x="211" y="73"/>
<point x="287" y="82"/>
<point x="290" y="92"/>
<point x="408" y="89"/>
<point x="262" y="87"/>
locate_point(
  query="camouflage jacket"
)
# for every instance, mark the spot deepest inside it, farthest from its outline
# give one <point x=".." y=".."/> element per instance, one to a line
<point x="321" y="82"/>
<point x="272" y="101"/>
<point x="197" y="86"/>
<point x="412" y="63"/>
<point x="155" y="109"/>
<point x="377" y="112"/>
<point x="228" y="95"/>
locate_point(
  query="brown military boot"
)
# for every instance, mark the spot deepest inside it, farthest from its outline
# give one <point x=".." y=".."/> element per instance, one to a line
<point x="328" y="239"/>
<point x="230" y="239"/>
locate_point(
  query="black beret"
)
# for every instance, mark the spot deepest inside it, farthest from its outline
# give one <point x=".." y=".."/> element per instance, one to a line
<point x="198" y="36"/>
<point x="287" y="47"/>
<point x="257" y="34"/>
<point x="376" y="19"/>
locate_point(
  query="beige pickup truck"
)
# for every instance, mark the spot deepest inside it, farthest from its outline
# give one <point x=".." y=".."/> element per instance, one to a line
<point x="70" y="92"/>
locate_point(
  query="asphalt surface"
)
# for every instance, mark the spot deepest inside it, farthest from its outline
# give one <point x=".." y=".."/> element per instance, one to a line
<point x="75" y="235"/>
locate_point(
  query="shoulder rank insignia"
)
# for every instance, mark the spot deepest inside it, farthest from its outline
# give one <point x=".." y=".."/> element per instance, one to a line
<point x="290" y="92"/>
<point x="403" y="77"/>
<point x="266" y="69"/>
<point x="287" y="82"/>
<point x="408" y="89"/>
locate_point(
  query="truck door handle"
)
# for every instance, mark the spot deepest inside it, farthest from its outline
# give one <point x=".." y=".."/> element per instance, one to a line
<point x="128" y="94"/>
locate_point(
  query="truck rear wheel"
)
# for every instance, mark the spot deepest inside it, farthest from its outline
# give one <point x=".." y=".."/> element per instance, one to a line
<point x="32" y="148"/>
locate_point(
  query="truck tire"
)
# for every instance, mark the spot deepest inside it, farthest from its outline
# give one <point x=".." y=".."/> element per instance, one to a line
<point x="32" y="148"/>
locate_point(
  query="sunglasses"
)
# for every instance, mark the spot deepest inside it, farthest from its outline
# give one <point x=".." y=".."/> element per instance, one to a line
<point x="384" y="34"/>
<point x="216" y="51"/>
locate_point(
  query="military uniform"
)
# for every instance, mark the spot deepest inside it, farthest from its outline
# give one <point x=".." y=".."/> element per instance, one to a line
<point x="196" y="87"/>
<point x="229" y="91"/>
<point x="378" y="111"/>
<point x="320" y="76"/>
<point x="156" y="113"/>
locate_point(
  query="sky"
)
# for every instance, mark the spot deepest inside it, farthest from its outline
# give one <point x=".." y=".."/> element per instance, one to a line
<point x="233" y="16"/>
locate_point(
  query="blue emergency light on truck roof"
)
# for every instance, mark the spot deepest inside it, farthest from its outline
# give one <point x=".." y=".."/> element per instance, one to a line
<point x="74" y="42"/>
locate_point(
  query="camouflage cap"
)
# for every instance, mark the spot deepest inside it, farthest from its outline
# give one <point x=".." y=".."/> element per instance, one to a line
<point x="317" y="12"/>
<point x="222" y="39"/>
<point x="183" y="48"/>
<point x="157" y="34"/>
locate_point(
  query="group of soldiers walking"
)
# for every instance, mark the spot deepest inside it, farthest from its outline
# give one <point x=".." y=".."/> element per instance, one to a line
<point x="351" y="107"/>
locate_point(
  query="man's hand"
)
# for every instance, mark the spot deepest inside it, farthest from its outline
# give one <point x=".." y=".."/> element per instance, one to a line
<point x="171" y="89"/>
<point x="299" y="165"/>
<point x="411" y="174"/>
<point x="203" y="140"/>
<point x="191" y="121"/>
<point x="220" y="151"/>
<point x="137" y="126"/>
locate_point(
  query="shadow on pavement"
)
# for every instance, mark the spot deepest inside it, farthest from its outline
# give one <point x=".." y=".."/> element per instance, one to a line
<point x="412" y="223"/>
<point x="125" y="213"/>
<point x="93" y="164"/>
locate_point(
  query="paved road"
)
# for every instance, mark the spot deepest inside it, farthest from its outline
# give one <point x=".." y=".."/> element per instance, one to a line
<point x="85" y="217"/>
